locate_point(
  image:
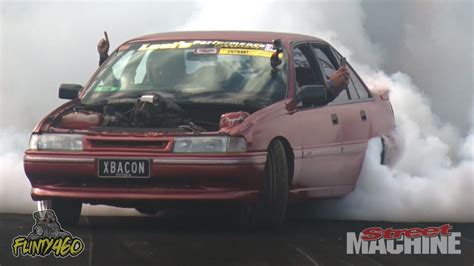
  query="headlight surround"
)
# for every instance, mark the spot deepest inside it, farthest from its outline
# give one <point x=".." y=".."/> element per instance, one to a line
<point x="217" y="144"/>
<point x="60" y="142"/>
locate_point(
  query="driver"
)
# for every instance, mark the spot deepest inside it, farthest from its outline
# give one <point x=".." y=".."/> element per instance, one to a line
<point x="165" y="68"/>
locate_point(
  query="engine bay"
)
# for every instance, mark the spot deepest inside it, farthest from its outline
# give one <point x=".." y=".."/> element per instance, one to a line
<point x="149" y="112"/>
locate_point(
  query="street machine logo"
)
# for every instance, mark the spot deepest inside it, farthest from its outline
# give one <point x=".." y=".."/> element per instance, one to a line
<point x="47" y="237"/>
<point x="429" y="240"/>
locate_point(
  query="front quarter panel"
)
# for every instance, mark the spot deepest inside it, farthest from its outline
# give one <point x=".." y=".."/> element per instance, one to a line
<point x="269" y="123"/>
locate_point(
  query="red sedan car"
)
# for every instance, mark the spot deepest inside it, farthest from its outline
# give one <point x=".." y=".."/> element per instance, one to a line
<point x="242" y="117"/>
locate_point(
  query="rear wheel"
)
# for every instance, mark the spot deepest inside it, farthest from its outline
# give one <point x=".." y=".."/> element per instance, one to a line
<point x="383" y="155"/>
<point x="68" y="211"/>
<point x="270" y="209"/>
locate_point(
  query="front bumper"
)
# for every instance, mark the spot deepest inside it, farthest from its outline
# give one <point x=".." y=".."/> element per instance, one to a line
<point x="173" y="177"/>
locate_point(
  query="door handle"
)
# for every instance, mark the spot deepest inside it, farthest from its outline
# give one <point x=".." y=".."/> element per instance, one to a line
<point x="363" y="115"/>
<point x="334" y="119"/>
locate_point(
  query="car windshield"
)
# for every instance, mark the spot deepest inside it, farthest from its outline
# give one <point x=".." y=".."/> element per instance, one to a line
<point x="192" y="71"/>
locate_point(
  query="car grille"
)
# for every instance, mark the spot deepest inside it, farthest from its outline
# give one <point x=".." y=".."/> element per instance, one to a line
<point x="128" y="144"/>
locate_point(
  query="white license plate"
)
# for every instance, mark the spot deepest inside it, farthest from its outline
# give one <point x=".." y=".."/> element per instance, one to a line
<point x="124" y="168"/>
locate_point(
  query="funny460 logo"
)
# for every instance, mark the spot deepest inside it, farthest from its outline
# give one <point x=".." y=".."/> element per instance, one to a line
<point x="47" y="237"/>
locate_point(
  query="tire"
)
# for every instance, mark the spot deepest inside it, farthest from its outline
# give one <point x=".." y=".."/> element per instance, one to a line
<point x="270" y="209"/>
<point x="383" y="155"/>
<point x="68" y="211"/>
<point x="148" y="210"/>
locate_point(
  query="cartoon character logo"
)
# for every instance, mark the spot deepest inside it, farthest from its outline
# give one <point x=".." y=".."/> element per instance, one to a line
<point x="47" y="225"/>
<point x="47" y="237"/>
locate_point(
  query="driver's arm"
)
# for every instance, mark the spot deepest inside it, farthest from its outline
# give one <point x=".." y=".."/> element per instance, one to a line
<point x="103" y="48"/>
<point x="337" y="82"/>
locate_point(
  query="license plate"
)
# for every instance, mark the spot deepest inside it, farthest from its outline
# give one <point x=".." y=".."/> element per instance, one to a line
<point x="124" y="168"/>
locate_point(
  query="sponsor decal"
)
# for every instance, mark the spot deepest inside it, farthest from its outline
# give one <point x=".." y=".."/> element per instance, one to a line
<point x="203" y="44"/>
<point x="47" y="237"/>
<point x="428" y="240"/>
<point x="269" y="47"/>
<point x="229" y="120"/>
<point x="249" y="52"/>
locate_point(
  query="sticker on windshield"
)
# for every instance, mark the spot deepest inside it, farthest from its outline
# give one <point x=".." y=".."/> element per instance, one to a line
<point x="206" y="44"/>
<point x="106" y="88"/>
<point x="206" y="51"/>
<point x="249" y="52"/>
<point x="173" y="45"/>
<point x="269" y="47"/>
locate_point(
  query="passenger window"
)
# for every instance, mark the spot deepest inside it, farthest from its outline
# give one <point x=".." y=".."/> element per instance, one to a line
<point x="342" y="97"/>
<point x="329" y="67"/>
<point x="358" y="85"/>
<point x="352" y="91"/>
<point x="306" y="69"/>
<point x="325" y="63"/>
<point x="357" y="89"/>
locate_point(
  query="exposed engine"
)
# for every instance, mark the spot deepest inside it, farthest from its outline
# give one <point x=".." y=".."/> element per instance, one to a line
<point x="147" y="111"/>
<point x="152" y="111"/>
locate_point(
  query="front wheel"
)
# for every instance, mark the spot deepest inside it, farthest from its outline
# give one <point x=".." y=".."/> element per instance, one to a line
<point x="270" y="209"/>
<point x="67" y="211"/>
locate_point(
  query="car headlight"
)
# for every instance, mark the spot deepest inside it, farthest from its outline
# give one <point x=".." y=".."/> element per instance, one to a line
<point x="210" y="144"/>
<point x="64" y="142"/>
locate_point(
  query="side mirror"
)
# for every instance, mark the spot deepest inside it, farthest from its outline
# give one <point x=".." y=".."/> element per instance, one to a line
<point x="315" y="95"/>
<point x="69" y="91"/>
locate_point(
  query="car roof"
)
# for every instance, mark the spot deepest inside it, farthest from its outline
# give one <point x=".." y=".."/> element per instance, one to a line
<point x="256" y="36"/>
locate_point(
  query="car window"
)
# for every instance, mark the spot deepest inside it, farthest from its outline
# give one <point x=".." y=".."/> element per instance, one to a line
<point x="325" y="63"/>
<point x="305" y="67"/>
<point x="198" y="71"/>
<point x="359" y="87"/>
<point x="120" y="65"/>
<point x="329" y="67"/>
<point x="352" y="91"/>
<point x="342" y="97"/>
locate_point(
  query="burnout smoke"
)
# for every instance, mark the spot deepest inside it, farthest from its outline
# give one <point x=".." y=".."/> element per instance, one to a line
<point x="432" y="86"/>
<point x="434" y="179"/>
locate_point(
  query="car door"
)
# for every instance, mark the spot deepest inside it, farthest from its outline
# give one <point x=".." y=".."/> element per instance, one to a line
<point x="352" y="110"/>
<point x="320" y="130"/>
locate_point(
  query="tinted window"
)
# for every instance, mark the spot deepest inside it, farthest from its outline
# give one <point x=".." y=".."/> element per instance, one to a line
<point x="325" y="63"/>
<point x="300" y="58"/>
<point x="306" y="69"/>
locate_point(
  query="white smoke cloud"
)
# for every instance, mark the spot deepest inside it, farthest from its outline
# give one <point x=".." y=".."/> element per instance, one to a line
<point x="45" y="44"/>
<point x="434" y="179"/>
<point x="433" y="42"/>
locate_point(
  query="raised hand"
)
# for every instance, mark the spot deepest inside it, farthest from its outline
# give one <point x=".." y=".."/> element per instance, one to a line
<point x="340" y="79"/>
<point x="103" y="46"/>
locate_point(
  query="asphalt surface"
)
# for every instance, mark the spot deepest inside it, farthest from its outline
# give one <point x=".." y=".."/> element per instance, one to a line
<point x="215" y="238"/>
